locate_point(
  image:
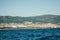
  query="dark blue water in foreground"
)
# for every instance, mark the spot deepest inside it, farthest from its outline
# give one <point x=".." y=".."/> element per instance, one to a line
<point x="30" y="34"/>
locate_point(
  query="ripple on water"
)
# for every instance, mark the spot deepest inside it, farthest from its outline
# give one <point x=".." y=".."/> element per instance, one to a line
<point x="30" y="34"/>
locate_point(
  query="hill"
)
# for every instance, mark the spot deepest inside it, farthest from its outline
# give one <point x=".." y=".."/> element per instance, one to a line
<point x="55" y="19"/>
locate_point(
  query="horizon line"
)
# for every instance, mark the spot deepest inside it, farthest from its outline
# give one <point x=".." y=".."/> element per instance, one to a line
<point x="28" y="16"/>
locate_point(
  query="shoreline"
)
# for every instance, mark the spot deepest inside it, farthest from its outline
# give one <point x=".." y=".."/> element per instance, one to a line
<point x="29" y="24"/>
<point x="25" y="28"/>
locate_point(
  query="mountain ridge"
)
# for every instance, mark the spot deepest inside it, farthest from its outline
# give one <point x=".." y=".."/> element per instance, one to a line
<point x="55" y="19"/>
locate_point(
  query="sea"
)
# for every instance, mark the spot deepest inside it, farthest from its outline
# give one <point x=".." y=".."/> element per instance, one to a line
<point x="30" y="34"/>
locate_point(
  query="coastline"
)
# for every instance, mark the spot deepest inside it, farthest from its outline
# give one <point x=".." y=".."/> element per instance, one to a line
<point x="25" y="28"/>
<point x="29" y="25"/>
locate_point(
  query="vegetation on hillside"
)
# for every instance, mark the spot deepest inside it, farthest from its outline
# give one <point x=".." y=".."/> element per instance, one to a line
<point x="55" y="19"/>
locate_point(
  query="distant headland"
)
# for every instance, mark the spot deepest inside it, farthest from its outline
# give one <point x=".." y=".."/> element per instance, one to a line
<point x="43" y="21"/>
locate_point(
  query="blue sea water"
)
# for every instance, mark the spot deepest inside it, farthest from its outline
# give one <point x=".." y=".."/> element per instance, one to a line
<point x="30" y="34"/>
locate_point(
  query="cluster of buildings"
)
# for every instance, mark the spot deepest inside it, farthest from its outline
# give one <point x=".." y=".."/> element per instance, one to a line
<point x="29" y="24"/>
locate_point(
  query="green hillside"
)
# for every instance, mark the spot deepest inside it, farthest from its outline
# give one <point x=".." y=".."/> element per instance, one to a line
<point x="41" y="19"/>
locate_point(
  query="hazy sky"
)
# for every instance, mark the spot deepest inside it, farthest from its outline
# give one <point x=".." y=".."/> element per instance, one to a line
<point x="29" y="7"/>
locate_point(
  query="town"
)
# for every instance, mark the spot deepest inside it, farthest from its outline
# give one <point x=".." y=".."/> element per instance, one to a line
<point x="29" y="24"/>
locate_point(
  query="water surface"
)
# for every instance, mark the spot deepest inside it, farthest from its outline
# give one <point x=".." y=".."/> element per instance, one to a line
<point x="30" y="34"/>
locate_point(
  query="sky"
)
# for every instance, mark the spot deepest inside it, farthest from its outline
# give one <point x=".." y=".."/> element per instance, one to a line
<point x="29" y="7"/>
